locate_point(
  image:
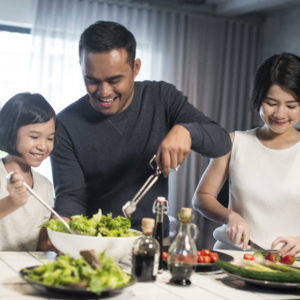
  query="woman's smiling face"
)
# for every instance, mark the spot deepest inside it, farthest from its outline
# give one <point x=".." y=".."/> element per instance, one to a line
<point x="280" y="110"/>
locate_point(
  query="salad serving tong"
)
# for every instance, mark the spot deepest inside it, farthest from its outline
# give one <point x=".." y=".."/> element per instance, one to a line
<point x="36" y="196"/>
<point x="130" y="207"/>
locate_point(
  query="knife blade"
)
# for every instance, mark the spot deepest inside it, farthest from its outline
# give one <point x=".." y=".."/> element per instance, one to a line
<point x="256" y="247"/>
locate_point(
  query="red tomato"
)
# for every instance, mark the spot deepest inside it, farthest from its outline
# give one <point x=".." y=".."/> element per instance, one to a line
<point x="200" y="259"/>
<point x="287" y="259"/>
<point x="205" y="252"/>
<point x="206" y="259"/>
<point x="213" y="257"/>
<point x="214" y="254"/>
<point x="248" y="256"/>
<point x="165" y="255"/>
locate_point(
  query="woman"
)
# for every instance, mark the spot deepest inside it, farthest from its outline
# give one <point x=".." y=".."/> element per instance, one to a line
<point x="263" y="168"/>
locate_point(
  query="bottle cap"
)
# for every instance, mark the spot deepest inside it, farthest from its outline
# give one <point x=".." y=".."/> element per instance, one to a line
<point x="148" y="223"/>
<point x="161" y="199"/>
<point x="186" y="212"/>
<point x="185" y="215"/>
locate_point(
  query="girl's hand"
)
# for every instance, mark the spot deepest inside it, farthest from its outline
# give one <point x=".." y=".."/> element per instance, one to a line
<point x="238" y="230"/>
<point x="291" y="245"/>
<point x="18" y="194"/>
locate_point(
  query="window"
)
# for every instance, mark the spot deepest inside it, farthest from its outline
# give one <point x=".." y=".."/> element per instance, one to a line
<point x="15" y="51"/>
<point x="14" y="61"/>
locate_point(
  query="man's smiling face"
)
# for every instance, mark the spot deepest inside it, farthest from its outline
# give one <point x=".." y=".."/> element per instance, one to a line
<point x="109" y="79"/>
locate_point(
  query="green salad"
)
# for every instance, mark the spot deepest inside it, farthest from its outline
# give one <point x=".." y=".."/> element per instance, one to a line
<point x="97" y="225"/>
<point x="67" y="271"/>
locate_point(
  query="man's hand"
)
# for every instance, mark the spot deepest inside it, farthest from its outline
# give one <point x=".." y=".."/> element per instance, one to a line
<point x="174" y="149"/>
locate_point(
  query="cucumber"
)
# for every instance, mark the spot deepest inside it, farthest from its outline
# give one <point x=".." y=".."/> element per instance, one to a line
<point x="250" y="265"/>
<point x="277" y="276"/>
<point x="280" y="267"/>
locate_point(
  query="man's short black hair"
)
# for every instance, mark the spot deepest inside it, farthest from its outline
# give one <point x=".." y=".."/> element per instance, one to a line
<point x="104" y="36"/>
<point x="283" y="70"/>
<point x="21" y="110"/>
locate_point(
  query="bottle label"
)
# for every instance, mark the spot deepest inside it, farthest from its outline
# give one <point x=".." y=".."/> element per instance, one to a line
<point x="156" y="264"/>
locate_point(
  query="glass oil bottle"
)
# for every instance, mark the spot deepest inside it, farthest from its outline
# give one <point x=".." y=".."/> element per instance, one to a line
<point x="182" y="255"/>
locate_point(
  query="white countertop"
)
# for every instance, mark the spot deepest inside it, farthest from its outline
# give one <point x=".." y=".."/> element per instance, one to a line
<point x="205" y="286"/>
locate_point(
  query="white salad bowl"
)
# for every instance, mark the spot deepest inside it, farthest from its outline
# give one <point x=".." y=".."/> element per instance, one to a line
<point x="115" y="247"/>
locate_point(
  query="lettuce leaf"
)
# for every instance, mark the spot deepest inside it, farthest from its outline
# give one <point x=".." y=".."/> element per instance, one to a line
<point x="67" y="271"/>
<point x="97" y="225"/>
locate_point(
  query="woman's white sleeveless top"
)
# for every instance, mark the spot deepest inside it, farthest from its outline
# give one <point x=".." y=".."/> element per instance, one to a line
<point x="264" y="189"/>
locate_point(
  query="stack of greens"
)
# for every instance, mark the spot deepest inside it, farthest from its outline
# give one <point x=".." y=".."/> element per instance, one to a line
<point x="97" y="225"/>
<point x="67" y="271"/>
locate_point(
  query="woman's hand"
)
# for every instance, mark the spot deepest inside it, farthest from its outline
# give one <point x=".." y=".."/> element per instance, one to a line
<point x="18" y="194"/>
<point x="238" y="230"/>
<point x="291" y="245"/>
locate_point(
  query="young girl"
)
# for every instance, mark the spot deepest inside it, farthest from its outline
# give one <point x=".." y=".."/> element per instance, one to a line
<point x="27" y="128"/>
<point x="263" y="168"/>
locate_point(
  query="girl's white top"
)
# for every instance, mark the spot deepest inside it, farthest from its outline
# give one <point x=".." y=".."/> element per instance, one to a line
<point x="264" y="188"/>
<point x="19" y="231"/>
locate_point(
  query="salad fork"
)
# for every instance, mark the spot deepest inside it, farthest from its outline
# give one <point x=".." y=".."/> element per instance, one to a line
<point x="36" y="196"/>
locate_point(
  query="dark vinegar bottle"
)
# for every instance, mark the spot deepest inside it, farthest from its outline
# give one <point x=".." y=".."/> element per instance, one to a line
<point x="145" y="253"/>
<point x="160" y="208"/>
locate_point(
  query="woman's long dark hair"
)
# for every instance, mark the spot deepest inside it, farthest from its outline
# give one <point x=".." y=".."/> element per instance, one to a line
<point x="284" y="70"/>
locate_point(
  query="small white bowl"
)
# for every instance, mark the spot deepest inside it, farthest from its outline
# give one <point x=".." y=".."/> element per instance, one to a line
<point x="115" y="247"/>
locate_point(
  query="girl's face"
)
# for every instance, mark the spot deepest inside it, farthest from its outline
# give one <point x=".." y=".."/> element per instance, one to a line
<point x="279" y="110"/>
<point x="35" y="142"/>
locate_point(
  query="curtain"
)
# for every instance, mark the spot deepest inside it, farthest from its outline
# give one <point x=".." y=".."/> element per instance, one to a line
<point x="211" y="60"/>
<point x="55" y="69"/>
<point x="220" y="61"/>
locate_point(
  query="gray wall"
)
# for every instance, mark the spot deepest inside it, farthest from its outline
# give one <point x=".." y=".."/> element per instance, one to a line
<point x="282" y="32"/>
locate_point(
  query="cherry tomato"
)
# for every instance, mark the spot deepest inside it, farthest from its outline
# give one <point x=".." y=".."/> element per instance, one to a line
<point x="205" y="252"/>
<point x="165" y="255"/>
<point x="200" y="259"/>
<point x="213" y="257"/>
<point x="248" y="256"/>
<point x="214" y="254"/>
<point x="206" y="259"/>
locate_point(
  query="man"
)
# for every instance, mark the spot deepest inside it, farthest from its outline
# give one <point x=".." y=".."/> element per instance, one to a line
<point x="106" y="139"/>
